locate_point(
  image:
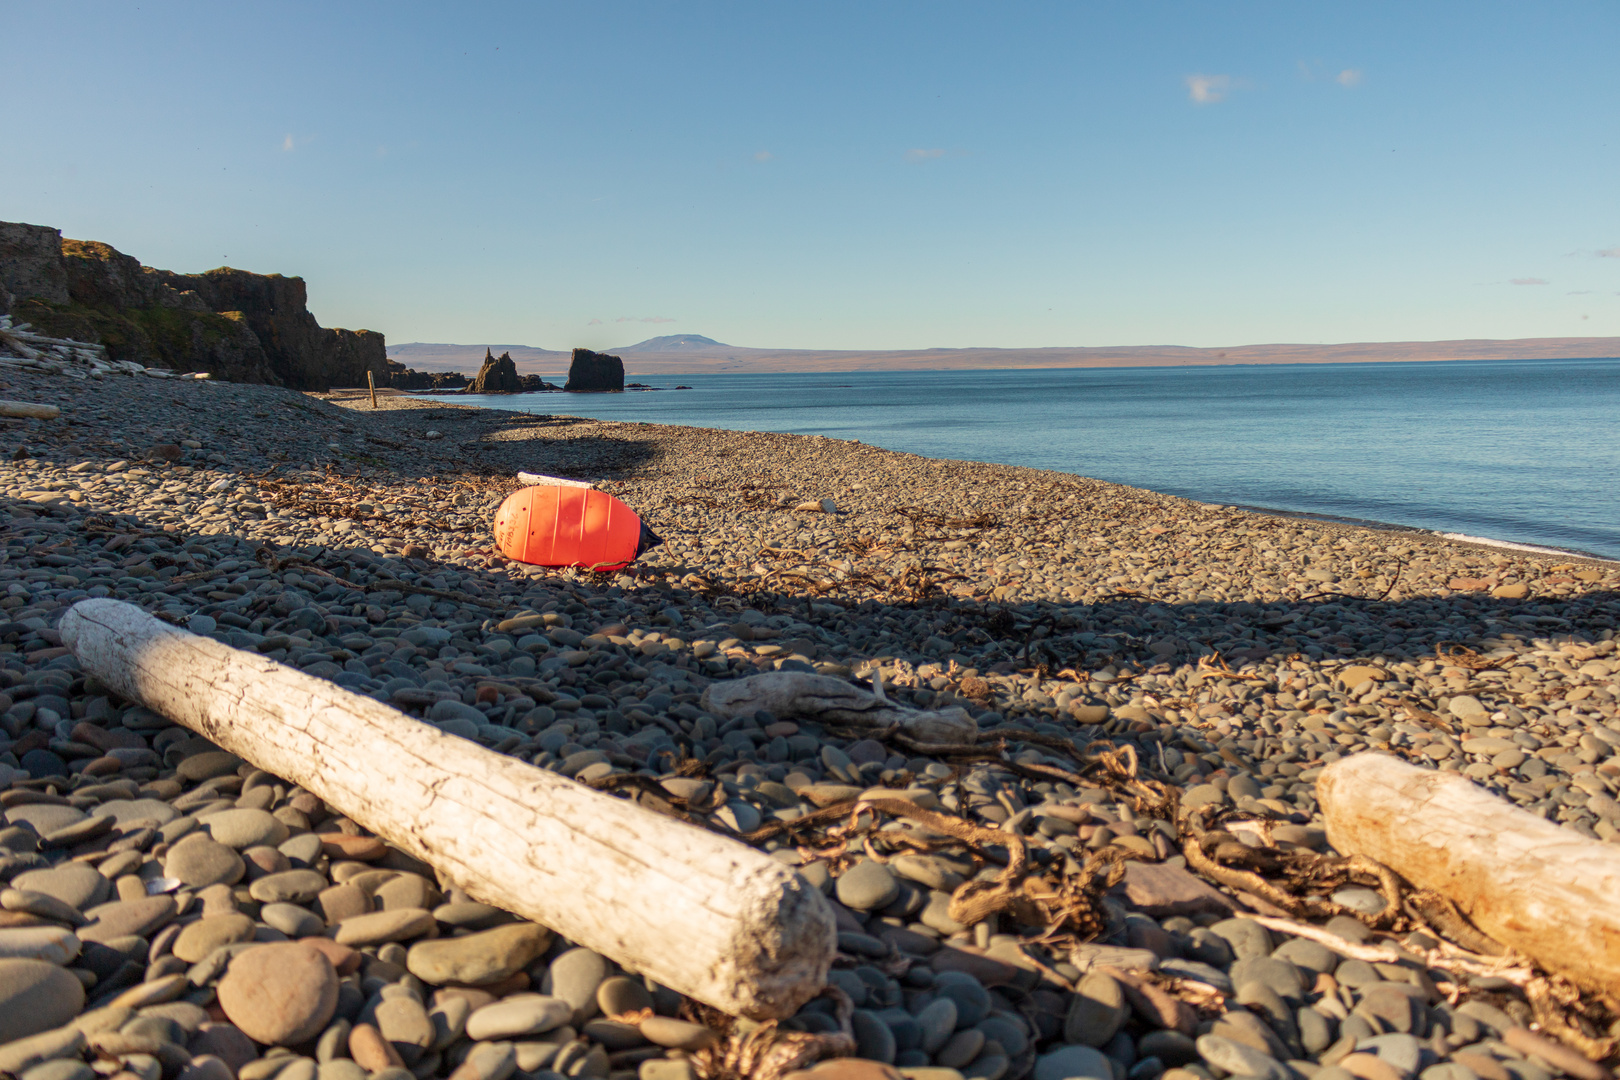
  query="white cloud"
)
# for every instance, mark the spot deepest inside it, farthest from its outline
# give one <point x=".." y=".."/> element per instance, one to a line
<point x="924" y="155"/>
<point x="287" y="143"/>
<point x="1528" y="281"/>
<point x="1349" y="77"/>
<point x="594" y="322"/>
<point x="1208" y="89"/>
<point x="1609" y="253"/>
<point x="764" y="155"/>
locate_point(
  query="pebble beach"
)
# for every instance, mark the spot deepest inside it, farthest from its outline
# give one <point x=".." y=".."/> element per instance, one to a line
<point x="171" y="911"/>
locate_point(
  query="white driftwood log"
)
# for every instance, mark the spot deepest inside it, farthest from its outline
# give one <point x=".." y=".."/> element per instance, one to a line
<point x="1543" y="890"/>
<point x="705" y="915"/>
<point x="787" y="694"/>
<point x="29" y="410"/>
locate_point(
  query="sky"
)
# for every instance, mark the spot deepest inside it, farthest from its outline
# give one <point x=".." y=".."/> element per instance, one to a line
<point x="836" y="175"/>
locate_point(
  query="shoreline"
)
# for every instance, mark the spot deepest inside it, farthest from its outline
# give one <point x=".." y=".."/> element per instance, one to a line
<point x="1366" y="523"/>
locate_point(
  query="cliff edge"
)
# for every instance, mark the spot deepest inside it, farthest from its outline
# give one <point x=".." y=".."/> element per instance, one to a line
<point x="233" y="324"/>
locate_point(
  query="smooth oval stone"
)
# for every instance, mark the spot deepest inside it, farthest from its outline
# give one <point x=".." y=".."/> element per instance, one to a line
<point x="404" y="1023"/>
<point x="867" y="885"/>
<point x="620" y="995"/>
<point x="575" y="976"/>
<point x="202" y="937"/>
<point x="304" y="848"/>
<point x="378" y="927"/>
<point x="279" y="994"/>
<point x="937" y="1021"/>
<point x="127" y="918"/>
<point x="66" y="1069"/>
<point x="123" y="810"/>
<point x="873" y="1039"/>
<point x="241" y="829"/>
<point x="207" y="1067"/>
<point x="200" y="861"/>
<point x="1097" y="1010"/>
<point x="496" y="1061"/>
<point x="36" y="996"/>
<point x="75" y="884"/>
<point x="60" y="1042"/>
<point x="972" y="999"/>
<point x="1069" y="1062"/>
<point x="1239" y="1059"/>
<point x="289" y="886"/>
<point x="1011" y="1034"/>
<point x="520" y="1014"/>
<point x="342" y="1069"/>
<point x="52" y="944"/>
<point x="46" y="817"/>
<point x="478" y="959"/>
<point x="292" y="920"/>
<point x="675" y="1034"/>
<point x="207" y="765"/>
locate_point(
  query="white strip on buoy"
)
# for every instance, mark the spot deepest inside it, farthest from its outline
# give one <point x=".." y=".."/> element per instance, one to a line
<point x="551" y="481"/>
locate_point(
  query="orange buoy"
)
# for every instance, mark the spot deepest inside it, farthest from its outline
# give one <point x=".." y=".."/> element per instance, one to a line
<point x="570" y="526"/>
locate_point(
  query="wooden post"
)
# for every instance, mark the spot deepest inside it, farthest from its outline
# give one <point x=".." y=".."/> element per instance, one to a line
<point x="702" y="914"/>
<point x="1547" y="891"/>
<point x="372" y="382"/>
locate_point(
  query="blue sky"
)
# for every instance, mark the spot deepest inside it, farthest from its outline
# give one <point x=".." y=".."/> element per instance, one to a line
<point x="861" y="175"/>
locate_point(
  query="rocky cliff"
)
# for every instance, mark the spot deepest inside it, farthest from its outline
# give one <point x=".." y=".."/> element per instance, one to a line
<point x="593" y="371"/>
<point x="233" y="324"/>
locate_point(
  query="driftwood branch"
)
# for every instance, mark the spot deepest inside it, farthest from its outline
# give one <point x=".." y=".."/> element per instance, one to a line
<point x="1541" y="890"/>
<point x="789" y="694"/>
<point x="707" y="916"/>
<point x="29" y="410"/>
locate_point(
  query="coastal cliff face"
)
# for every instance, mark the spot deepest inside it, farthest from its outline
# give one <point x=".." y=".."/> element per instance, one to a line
<point x="593" y="371"/>
<point x="236" y="325"/>
<point x="498" y="375"/>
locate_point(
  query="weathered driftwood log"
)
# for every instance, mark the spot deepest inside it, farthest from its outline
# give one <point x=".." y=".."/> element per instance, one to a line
<point x="788" y="694"/>
<point x="29" y="410"/>
<point x="702" y="914"/>
<point x="1543" y="890"/>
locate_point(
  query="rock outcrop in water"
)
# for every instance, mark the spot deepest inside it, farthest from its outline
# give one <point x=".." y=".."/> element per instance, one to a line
<point x="236" y="325"/>
<point x="594" y="372"/>
<point x="497" y="376"/>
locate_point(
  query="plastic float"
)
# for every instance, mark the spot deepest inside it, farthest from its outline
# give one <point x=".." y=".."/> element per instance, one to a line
<point x="552" y="525"/>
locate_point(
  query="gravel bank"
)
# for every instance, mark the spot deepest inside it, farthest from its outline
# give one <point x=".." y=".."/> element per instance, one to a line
<point x="157" y="885"/>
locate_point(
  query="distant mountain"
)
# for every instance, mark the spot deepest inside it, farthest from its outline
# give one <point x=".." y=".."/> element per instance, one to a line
<point x="673" y="343"/>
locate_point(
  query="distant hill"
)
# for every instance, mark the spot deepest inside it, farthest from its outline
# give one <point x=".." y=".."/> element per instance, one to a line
<point x="681" y="353"/>
<point x="672" y="343"/>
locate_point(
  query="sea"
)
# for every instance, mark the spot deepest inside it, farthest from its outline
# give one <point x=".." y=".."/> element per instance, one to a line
<point x="1515" y="452"/>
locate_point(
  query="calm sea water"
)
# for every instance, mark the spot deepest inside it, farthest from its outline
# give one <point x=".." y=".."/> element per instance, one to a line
<point x="1521" y="451"/>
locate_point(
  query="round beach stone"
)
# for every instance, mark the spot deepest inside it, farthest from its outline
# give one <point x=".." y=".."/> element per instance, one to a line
<point x="288" y="887"/>
<point x="405" y="1024"/>
<point x="123" y="918"/>
<point x="620" y="995"/>
<point x="574" y="977"/>
<point x="127" y="810"/>
<point x="202" y="937"/>
<point x="1240" y="1059"/>
<point x="241" y="829"/>
<point x="36" y="996"/>
<point x="207" y="765"/>
<point x="279" y="994"/>
<point x="478" y="959"/>
<point x="378" y="927"/>
<point x="45" y="817"/>
<point x="292" y="920"/>
<point x="867" y="885"/>
<point x="200" y="861"/>
<point x="520" y="1014"/>
<point x="52" y="944"/>
<point x="1097" y="1010"/>
<point x="76" y="884"/>
<point x="1069" y="1062"/>
<point x="675" y="1034"/>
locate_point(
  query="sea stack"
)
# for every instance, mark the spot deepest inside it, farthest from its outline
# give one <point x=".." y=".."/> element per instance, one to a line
<point x="498" y="375"/>
<point x="594" y="372"/>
